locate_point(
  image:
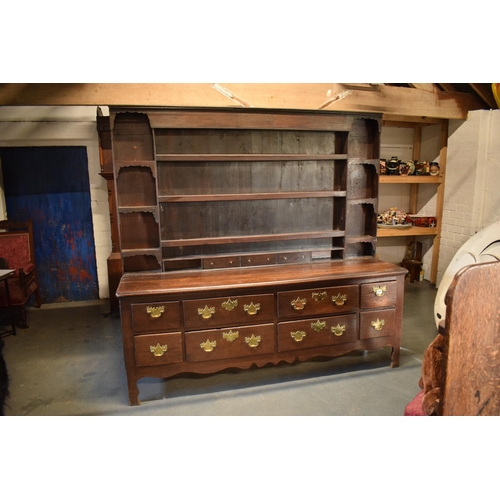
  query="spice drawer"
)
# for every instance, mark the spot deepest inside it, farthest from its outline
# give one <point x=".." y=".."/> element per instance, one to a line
<point x="155" y="316"/>
<point x="158" y="349"/>
<point x="382" y="294"/>
<point x="232" y="342"/>
<point x="380" y="323"/>
<point x="331" y="300"/>
<point x="228" y="311"/>
<point x="317" y="332"/>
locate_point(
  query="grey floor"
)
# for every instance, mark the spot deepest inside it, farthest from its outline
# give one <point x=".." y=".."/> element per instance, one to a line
<point x="70" y="362"/>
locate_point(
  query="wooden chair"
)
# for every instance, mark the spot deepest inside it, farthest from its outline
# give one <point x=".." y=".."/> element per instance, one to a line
<point x="17" y="252"/>
<point x="468" y="377"/>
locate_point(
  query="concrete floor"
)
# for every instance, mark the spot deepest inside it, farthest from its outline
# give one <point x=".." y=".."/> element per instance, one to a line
<point x="70" y="362"/>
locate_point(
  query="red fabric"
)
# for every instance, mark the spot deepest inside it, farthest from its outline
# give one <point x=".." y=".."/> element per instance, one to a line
<point x="15" y="249"/>
<point x="414" y="407"/>
<point x="17" y="297"/>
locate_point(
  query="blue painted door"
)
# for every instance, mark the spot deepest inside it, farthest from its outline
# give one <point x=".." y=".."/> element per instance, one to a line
<point x="50" y="186"/>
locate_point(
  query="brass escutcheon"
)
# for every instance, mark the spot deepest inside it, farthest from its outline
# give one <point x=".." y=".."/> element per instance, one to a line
<point x="253" y="341"/>
<point x="209" y="345"/>
<point x="378" y="324"/>
<point x="206" y="312"/>
<point x="318" y="325"/>
<point x="155" y="312"/>
<point x="158" y="350"/>
<point x="251" y="308"/>
<point x="338" y="330"/>
<point x="379" y="290"/>
<point x="298" y="304"/>
<point x="319" y="296"/>
<point x="298" y="336"/>
<point x="339" y="299"/>
<point x="229" y="304"/>
<point x="230" y="336"/>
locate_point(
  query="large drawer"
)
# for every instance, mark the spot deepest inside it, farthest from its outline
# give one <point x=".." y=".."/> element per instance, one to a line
<point x="331" y="300"/>
<point x="380" y="323"/>
<point x="158" y="349"/>
<point x="232" y="342"/>
<point x="228" y="311"/>
<point x="382" y="294"/>
<point x="316" y="332"/>
<point x="155" y="316"/>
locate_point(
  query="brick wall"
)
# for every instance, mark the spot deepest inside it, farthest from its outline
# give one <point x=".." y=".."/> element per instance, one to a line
<point x="472" y="190"/>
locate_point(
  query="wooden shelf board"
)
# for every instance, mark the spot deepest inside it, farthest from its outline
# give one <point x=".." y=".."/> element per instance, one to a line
<point x="249" y="196"/>
<point x="222" y="240"/>
<point x="410" y="231"/>
<point x="248" y="157"/>
<point x="410" y="179"/>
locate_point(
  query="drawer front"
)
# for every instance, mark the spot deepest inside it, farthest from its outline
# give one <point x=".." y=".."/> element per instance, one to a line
<point x="225" y="311"/>
<point x="227" y="343"/>
<point x="155" y="316"/>
<point x="331" y="300"/>
<point x="158" y="349"/>
<point x="381" y="323"/>
<point x="316" y="332"/>
<point x="382" y="294"/>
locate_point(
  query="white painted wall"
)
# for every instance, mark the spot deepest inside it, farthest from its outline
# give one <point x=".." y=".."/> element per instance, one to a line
<point x="472" y="190"/>
<point x="66" y="126"/>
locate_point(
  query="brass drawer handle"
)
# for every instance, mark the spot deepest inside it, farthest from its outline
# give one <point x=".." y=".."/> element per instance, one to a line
<point x="229" y="304"/>
<point x="319" y="296"/>
<point x="158" y="350"/>
<point x="155" y="312"/>
<point x="230" y="336"/>
<point x="379" y="290"/>
<point x="253" y="341"/>
<point x="298" y="336"/>
<point x="298" y="304"/>
<point x="209" y="345"/>
<point x="251" y="308"/>
<point x="206" y="312"/>
<point x="378" y="324"/>
<point x="339" y="300"/>
<point x="318" y="325"/>
<point x="338" y="330"/>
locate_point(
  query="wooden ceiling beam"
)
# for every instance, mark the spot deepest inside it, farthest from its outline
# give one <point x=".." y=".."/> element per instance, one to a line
<point x="386" y="99"/>
<point x="485" y="93"/>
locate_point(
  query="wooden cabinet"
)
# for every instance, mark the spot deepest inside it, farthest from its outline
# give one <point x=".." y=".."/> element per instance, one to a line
<point x="241" y="227"/>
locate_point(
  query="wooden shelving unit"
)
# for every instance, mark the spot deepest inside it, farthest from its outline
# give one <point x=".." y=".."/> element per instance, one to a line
<point x="414" y="181"/>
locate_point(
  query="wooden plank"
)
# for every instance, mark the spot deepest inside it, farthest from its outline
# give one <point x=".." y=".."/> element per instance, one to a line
<point x="222" y="240"/>
<point x="485" y="93"/>
<point x="247" y="157"/>
<point x="428" y="87"/>
<point x="383" y="232"/>
<point x="410" y="179"/>
<point x="439" y="202"/>
<point x="249" y="196"/>
<point x="308" y="96"/>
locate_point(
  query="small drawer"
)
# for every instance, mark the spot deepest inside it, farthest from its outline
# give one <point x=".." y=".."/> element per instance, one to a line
<point x="233" y="342"/>
<point x="258" y="260"/>
<point x="155" y="316"/>
<point x="224" y="311"/>
<point x="221" y="262"/>
<point x="381" y="323"/>
<point x="293" y="335"/>
<point x="293" y="258"/>
<point x="382" y="294"/>
<point x="318" y="301"/>
<point x="158" y="349"/>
